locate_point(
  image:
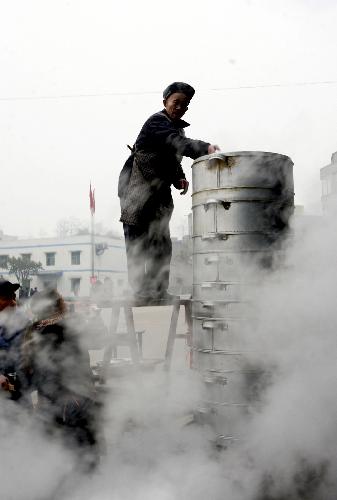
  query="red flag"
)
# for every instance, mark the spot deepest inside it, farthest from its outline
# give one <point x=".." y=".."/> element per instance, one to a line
<point x="92" y="200"/>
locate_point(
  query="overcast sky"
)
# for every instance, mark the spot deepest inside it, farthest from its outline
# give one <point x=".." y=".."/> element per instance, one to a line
<point x="79" y="78"/>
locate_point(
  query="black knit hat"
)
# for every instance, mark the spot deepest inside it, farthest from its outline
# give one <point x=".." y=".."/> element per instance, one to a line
<point x="185" y="88"/>
<point x="8" y="289"/>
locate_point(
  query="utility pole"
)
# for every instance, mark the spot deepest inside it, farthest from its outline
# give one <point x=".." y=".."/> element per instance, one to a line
<point x="92" y="246"/>
<point x="92" y="210"/>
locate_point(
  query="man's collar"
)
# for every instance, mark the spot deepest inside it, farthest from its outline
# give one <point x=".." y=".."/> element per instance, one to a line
<point x="178" y="123"/>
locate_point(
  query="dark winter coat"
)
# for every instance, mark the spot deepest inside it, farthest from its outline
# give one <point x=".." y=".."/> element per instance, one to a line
<point x="59" y="365"/>
<point x="145" y="181"/>
<point x="12" y="330"/>
<point x="60" y="371"/>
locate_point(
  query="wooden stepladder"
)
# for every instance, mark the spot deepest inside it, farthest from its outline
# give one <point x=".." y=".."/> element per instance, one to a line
<point x="129" y="338"/>
<point x="132" y="338"/>
<point x="179" y="300"/>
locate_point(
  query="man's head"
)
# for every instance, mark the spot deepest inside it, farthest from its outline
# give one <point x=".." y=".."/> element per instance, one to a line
<point x="177" y="97"/>
<point x="7" y="294"/>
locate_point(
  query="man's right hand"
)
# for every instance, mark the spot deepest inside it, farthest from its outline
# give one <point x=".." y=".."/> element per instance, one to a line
<point x="212" y="148"/>
<point x="183" y="185"/>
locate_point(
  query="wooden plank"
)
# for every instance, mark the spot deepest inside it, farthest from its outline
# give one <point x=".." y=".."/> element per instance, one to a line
<point x="130" y="326"/>
<point x="172" y="334"/>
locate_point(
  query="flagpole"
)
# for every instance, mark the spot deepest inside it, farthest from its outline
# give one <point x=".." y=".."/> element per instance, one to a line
<point x="92" y="246"/>
<point x="92" y="210"/>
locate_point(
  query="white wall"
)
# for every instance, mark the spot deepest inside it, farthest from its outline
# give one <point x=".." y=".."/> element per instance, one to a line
<point x="112" y="263"/>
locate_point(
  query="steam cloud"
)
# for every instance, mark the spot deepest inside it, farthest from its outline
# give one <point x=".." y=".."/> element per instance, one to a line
<point x="288" y="446"/>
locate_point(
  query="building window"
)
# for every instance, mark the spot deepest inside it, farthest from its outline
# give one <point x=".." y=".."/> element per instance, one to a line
<point x="75" y="286"/>
<point x="334" y="183"/>
<point x="325" y="187"/>
<point x="50" y="259"/>
<point x="76" y="258"/>
<point x="3" y="261"/>
<point x="26" y="256"/>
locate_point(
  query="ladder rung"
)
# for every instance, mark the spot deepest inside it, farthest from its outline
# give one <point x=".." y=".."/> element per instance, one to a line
<point x="122" y="338"/>
<point x="127" y="334"/>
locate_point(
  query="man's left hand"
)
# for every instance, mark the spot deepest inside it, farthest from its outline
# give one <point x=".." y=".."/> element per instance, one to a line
<point x="183" y="184"/>
<point x="4" y="383"/>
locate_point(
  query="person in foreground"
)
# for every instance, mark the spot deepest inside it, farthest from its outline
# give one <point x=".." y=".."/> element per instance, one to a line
<point x="13" y="325"/>
<point x="144" y="189"/>
<point x="58" y="368"/>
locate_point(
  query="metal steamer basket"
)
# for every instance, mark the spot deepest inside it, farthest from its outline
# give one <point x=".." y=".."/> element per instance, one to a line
<point x="241" y="205"/>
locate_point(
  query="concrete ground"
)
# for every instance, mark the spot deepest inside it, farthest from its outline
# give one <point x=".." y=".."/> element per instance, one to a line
<point x="155" y="321"/>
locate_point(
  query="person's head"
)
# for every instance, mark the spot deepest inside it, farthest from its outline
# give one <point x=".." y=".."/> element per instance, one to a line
<point x="46" y="304"/>
<point x="177" y="97"/>
<point x="7" y="294"/>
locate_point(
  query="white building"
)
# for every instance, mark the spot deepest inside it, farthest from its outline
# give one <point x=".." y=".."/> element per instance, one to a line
<point x="66" y="262"/>
<point x="329" y="185"/>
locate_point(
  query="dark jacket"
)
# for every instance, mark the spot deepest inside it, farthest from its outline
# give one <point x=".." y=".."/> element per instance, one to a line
<point x="145" y="181"/>
<point x="59" y="366"/>
<point x="12" y="330"/>
<point x="60" y="371"/>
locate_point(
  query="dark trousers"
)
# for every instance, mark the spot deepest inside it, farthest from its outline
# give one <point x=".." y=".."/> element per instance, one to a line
<point x="149" y="251"/>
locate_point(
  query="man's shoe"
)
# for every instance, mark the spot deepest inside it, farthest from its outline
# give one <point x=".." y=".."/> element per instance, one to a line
<point x="142" y="298"/>
<point x="164" y="296"/>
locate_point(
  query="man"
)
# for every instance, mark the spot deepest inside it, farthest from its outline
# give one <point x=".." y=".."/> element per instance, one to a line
<point x="12" y="329"/>
<point x="145" y="191"/>
<point x="59" y="368"/>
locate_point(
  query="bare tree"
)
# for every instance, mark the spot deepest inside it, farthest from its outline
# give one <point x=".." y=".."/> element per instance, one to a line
<point x="22" y="268"/>
<point x="70" y="227"/>
<point x="102" y="230"/>
<point x="73" y="226"/>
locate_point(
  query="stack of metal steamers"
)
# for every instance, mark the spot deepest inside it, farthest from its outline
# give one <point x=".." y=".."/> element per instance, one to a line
<point x="241" y="204"/>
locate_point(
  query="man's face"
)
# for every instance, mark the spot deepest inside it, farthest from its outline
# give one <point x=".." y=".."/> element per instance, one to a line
<point x="7" y="302"/>
<point x="176" y="105"/>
